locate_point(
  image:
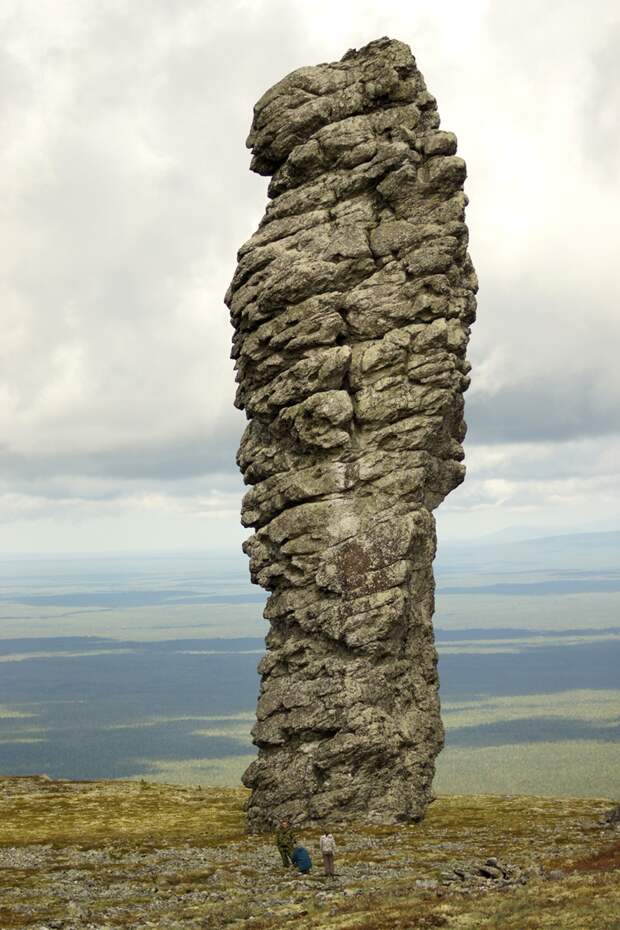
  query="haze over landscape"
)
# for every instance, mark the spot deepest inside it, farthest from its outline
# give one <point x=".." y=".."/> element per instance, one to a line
<point x="145" y="666"/>
<point x="129" y="630"/>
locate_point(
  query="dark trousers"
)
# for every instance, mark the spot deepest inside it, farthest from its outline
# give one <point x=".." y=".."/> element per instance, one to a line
<point x="328" y="863"/>
<point x="286" y="859"/>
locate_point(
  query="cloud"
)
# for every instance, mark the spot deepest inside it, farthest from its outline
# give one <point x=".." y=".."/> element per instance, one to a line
<point x="546" y="406"/>
<point x="123" y="136"/>
<point x="577" y="459"/>
<point x="131" y="197"/>
<point x="171" y="458"/>
<point x="601" y="135"/>
<point x="550" y="485"/>
<point x="79" y="506"/>
<point x="544" y="348"/>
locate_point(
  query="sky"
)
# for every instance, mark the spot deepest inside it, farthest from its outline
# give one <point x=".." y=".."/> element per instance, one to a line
<point x="127" y="192"/>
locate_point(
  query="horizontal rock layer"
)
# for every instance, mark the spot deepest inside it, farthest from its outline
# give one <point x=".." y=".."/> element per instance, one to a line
<point x="351" y="305"/>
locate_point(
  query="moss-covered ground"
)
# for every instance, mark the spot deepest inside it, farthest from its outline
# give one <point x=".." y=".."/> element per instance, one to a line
<point x="113" y="854"/>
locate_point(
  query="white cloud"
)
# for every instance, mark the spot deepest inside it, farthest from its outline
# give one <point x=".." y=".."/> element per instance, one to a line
<point x="123" y="131"/>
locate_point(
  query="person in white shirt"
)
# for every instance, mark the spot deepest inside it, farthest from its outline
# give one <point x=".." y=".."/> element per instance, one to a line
<point x="328" y="848"/>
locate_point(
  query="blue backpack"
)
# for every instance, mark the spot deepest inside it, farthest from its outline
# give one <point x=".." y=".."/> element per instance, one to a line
<point x="300" y="857"/>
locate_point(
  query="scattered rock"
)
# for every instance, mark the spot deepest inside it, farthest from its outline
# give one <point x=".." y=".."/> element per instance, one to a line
<point x="612" y="817"/>
<point x="79" y="885"/>
<point x="492" y="870"/>
<point x="428" y="884"/>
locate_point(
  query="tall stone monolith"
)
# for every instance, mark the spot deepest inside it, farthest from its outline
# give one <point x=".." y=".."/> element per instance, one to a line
<point x="351" y="305"/>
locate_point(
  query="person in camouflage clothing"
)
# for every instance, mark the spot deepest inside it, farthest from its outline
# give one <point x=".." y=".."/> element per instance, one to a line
<point x="286" y="842"/>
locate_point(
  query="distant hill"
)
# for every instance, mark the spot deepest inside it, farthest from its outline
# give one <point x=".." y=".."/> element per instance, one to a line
<point x="592" y="551"/>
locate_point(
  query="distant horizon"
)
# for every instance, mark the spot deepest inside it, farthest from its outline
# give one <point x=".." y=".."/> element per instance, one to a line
<point x="509" y="534"/>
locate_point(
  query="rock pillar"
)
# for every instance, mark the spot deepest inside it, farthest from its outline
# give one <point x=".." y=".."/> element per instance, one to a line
<point x="351" y="305"/>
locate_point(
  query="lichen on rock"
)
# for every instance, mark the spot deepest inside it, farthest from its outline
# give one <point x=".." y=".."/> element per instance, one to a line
<point x="351" y="305"/>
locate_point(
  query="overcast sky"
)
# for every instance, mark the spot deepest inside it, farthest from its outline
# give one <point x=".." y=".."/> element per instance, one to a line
<point x="126" y="193"/>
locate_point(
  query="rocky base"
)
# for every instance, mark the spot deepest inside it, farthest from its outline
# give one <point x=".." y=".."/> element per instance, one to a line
<point x="108" y="855"/>
<point x="352" y="307"/>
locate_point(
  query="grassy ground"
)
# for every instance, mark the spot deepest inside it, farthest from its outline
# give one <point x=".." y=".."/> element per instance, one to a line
<point x="137" y="855"/>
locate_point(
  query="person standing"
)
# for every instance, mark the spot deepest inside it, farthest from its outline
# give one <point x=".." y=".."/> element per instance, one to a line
<point x="286" y="841"/>
<point x="328" y="848"/>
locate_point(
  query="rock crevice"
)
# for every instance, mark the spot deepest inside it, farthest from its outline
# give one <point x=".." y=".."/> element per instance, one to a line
<point x="352" y="306"/>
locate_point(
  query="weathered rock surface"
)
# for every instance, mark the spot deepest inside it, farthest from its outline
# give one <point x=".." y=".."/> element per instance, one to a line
<point x="351" y="305"/>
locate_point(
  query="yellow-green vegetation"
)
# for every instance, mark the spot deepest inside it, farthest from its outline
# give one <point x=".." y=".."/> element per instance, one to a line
<point x="602" y="707"/>
<point x="230" y="722"/>
<point x="133" y="624"/>
<point x="59" y="654"/>
<point x="66" y="813"/>
<point x="562" y="767"/>
<point x="136" y="854"/>
<point x="221" y="772"/>
<point x="596" y="611"/>
<point x="565" y="767"/>
<point x="492" y="646"/>
<point x="7" y="712"/>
